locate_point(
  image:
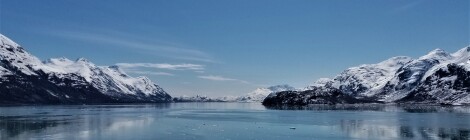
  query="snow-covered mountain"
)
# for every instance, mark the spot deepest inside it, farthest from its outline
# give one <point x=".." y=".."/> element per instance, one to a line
<point x="436" y="78"/>
<point x="199" y="98"/>
<point x="26" y="79"/>
<point x="259" y="94"/>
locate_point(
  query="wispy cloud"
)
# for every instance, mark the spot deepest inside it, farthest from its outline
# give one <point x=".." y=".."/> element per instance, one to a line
<point x="407" y="6"/>
<point x="120" y="39"/>
<point x="199" y="71"/>
<point x="151" y="73"/>
<point x="221" y="78"/>
<point x="162" y="66"/>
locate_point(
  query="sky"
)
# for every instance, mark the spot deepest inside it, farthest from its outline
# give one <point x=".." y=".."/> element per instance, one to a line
<point x="231" y="47"/>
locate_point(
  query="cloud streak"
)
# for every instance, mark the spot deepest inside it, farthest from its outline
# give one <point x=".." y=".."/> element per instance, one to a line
<point x="165" y="49"/>
<point x="152" y="73"/>
<point x="407" y="6"/>
<point x="221" y="78"/>
<point x="167" y="66"/>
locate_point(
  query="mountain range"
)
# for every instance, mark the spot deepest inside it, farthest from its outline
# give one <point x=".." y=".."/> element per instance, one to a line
<point x="25" y="79"/>
<point x="255" y="96"/>
<point x="259" y="94"/>
<point x="438" y="77"/>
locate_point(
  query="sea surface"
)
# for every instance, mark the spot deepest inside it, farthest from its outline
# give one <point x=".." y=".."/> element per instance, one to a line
<point x="234" y="121"/>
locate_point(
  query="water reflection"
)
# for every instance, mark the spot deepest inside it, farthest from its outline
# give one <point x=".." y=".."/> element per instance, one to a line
<point x="401" y="121"/>
<point x="64" y="122"/>
<point x="379" y="107"/>
<point x="10" y="127"/>
<point x="363" y="129"/>
<point x="351" y="107"/>
<point x="234" y="121"/>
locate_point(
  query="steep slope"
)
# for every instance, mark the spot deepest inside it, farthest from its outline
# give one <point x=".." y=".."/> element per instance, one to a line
<point x="16" y="57"/>
<point x="363" y="80"/>
<point x="410" y="75"/>
<point x="25" y="79"/>
<point x="437" y="78"/>
<point x="445" y="83"/>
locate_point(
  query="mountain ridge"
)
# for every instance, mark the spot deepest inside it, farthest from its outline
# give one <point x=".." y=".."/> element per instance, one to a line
<point x="255" y="96"/>
<point x="25" y="79"/>
<point x="435" y="78"/>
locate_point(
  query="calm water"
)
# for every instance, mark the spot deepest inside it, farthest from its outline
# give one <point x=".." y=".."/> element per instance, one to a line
<point x="235" y="121"/>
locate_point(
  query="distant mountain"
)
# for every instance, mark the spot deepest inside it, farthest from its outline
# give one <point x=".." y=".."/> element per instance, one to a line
<point x="436" y="78"/>
<point x="257" y="95"/>
<point x="24" y="79"/>
<point x="199" y="98"/>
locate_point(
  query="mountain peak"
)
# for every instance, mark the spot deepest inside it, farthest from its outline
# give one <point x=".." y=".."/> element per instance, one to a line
<point x="396" y="60"/>
<point x="462" y="55"/>
<point x="467" y="49"/>
<point x="437" y="54"/>
<point x="81" y="59"/>
<point x="17" y="56"/>
<point x="462" y="52"/>
<point x="438" y="50"/>
<point x="63" y="59"/>
<point x="8" y="42"/>
<point x="86" y="62"/>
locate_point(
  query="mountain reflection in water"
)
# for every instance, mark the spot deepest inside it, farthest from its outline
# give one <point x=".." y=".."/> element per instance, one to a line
<point x="234" y="121"/>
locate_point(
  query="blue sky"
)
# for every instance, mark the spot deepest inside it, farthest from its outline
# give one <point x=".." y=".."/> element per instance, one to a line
<point x="230" y="47"/>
